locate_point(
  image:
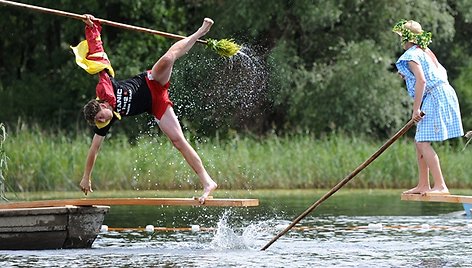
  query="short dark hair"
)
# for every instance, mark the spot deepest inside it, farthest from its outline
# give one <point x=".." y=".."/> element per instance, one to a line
<point x="91" y="109"/>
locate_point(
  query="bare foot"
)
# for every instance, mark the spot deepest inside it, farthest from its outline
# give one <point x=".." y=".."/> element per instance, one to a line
<point x="417" y="190"/>
<point x="205" y="28"/>
<point x="86" y="185"/>
<point x="207" y="189"/>
<point x="438" y="191"/>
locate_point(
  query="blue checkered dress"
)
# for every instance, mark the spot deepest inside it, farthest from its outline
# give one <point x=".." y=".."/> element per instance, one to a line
<point x="443" y="119"/>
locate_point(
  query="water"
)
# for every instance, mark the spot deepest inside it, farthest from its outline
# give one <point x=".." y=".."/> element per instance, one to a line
<point x="218" y="94"/>
<point x="353" y="229"/>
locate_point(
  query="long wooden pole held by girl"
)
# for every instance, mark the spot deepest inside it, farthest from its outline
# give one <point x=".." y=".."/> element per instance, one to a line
<point x="338" y="186"/>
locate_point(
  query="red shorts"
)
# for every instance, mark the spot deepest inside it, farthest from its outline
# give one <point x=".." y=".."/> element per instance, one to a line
<point x="160" y="96"/>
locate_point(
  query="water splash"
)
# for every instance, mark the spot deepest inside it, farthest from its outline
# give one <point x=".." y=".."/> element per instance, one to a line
<point x="158" y="165"/>
<point x="242" y="83"/>
<point x="252" y="236"/>
<point x="225" y="237"/>
<point x="210" y="95"/>
<point x="219" y="94"/>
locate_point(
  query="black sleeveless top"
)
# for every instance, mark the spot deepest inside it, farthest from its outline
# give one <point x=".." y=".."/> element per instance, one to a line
<point x="132" y="98"/>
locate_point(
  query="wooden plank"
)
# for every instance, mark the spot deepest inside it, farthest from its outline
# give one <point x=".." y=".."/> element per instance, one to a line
<point x="438" y="198"/>
<point x="132" y="202"/>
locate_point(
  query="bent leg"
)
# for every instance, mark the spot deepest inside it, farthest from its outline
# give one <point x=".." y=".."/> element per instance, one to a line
<point x="171" y="127"/>
<point x="162" y="69"/>
<point x="432" y="161"/>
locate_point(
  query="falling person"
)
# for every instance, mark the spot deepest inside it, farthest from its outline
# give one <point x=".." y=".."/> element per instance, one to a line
<point x="145" y="92"/>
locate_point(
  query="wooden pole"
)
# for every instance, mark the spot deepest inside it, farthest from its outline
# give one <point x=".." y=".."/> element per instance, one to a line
<point x="344" y="181"/>
<point x="102" y="21"/>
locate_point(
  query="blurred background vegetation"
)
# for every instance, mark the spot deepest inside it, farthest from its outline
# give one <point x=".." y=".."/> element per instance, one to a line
<point x="310" y="67"/>
<point x="317" y="66"/>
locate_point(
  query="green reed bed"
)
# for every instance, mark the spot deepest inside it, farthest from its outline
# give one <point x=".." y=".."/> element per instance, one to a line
<point x="40" y="161"/>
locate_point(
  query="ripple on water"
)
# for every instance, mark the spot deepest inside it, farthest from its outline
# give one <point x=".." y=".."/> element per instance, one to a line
<point x="321" y="242"/>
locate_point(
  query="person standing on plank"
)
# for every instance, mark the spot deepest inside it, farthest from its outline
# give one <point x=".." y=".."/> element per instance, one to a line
<point x="427" y="83"/>
<point x="145" y="92"/>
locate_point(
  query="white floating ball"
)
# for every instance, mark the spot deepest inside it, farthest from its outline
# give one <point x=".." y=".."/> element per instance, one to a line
<point x="104" y="228"/>
<point x="375" y="226"/>
<point x="150" y="228"/>
<point x="425" y="226"/>
<point x="195" y="228"/>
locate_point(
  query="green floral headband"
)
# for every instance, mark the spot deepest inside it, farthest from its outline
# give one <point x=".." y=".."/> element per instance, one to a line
<point x="422" y="40"/>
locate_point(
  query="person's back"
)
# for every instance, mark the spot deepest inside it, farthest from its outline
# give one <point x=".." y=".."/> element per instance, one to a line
<point x="435" y="105"/>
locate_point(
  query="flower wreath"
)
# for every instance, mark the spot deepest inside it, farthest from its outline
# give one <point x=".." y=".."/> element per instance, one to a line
<point x="422" y="39"/>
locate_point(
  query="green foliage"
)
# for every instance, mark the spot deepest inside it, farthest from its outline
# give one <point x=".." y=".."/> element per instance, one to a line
<point x="3" y="162"/>
<point x="317" y="66"/>
<point x="463" y="86"/>
<point x="41" y="161"/>
<point x="465" y="8"/>
<point x="351" y="95"/>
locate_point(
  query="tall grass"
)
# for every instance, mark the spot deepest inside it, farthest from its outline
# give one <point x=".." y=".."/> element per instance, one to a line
<point x="3" y="162"/>
<point x="41" y="161"/>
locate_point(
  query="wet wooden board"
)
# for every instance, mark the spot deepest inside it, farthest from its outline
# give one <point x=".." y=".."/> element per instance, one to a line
<point x="438" y="198"/>
<point x="213" y="202"/>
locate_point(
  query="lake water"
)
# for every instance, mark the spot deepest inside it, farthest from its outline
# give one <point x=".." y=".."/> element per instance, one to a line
<point x="351" y="229"/>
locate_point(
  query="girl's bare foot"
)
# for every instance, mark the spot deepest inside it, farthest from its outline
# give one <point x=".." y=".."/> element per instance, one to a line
<point x="438" y="191"/>
<point x="207" y="189"/>
<point x="417" y="190"/>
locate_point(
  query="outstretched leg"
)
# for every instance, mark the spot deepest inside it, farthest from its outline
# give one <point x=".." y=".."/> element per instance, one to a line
<point x="171" y="127"/>
<point x="162" y="69"/>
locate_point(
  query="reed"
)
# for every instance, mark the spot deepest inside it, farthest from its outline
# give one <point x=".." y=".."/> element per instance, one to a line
<point x="40" y="161"/>
<point x="3" y="162"/>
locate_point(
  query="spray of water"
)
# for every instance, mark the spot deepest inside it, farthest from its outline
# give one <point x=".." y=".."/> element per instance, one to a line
<point x="218" y="94"/>
<point x="158" y="165"/>
<point x="209" y="94"/>
<point x="252" y="236"/>
<point x="240" y="89"/>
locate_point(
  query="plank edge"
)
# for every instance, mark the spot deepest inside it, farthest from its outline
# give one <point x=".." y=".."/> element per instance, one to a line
<point x="221" y="202"/>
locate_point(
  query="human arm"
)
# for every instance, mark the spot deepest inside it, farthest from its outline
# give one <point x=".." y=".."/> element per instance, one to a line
<point x="96" y="53"/>
<point x="93" y="29"/>
<point x="420" y="84"/>
<point x="86" y="183"/>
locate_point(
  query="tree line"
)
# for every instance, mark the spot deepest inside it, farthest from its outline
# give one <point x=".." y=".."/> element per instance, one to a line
<point x="314" y="66"/>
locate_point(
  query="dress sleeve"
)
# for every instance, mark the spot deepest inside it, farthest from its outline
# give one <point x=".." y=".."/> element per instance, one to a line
<point x="403" y="68"/>
<point x="409" y="55"/>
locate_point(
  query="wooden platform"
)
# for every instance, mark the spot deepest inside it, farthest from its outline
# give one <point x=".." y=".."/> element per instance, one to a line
<point x="438" y="198"/>
<point x="132" y="202"/>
